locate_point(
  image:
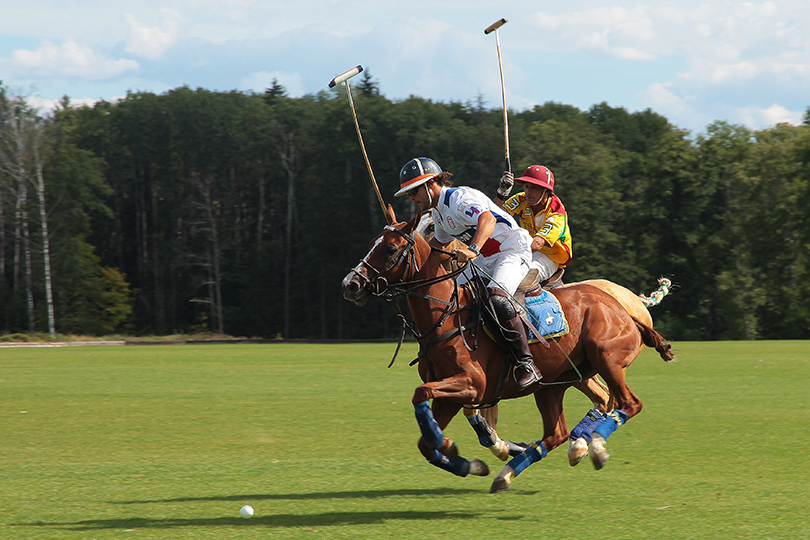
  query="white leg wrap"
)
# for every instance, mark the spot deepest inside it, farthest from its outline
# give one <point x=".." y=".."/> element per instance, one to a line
<point x="577" y="450"/>
<point x="500" y="450"/>
<point x="599" y="454"/>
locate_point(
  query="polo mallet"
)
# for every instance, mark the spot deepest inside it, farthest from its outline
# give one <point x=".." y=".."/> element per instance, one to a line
<point x="489" y="29"/>
<point x="344" y="78"/>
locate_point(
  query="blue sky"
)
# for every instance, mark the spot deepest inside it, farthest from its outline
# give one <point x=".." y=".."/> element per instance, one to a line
<point x="691" y="61"/>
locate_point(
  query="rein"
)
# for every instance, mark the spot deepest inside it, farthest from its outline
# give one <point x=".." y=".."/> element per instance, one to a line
<point x="454" y="306"/>
<point x="392" y="292"/>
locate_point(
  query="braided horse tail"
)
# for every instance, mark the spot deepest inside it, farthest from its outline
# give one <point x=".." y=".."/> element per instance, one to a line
<point x="664" y="285"/>
<point x="653" y="339"/>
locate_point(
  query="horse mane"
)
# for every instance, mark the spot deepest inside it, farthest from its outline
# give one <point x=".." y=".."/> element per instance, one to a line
<point x="424" y="226"/>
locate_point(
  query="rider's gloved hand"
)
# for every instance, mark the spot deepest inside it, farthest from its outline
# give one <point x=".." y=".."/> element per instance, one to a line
<point x="506" y="184"/>
<point x="463" y="255"/>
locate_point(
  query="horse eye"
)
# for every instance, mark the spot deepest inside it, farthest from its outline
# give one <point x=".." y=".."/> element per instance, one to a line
<point x="391" y="251"/>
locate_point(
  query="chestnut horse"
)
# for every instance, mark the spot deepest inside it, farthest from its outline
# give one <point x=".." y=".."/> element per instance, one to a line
<point x="461" y="367"/>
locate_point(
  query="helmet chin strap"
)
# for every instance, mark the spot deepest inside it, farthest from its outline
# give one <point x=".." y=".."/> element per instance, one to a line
<point x="430" y="196"/>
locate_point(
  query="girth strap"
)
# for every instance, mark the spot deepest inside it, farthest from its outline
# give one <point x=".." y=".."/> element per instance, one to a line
<point x="423" y="349"/>
<point x="527" y="321"/>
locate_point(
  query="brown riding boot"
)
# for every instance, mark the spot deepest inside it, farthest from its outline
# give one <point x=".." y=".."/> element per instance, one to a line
<point x="525" y="371"/>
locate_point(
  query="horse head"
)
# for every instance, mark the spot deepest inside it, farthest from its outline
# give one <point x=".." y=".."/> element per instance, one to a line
<point x="391" y="259"/>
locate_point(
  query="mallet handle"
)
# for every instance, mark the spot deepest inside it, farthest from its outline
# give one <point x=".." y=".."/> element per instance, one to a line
<point x="363" y="147"/>
<point x="507" y="158"/>
<point x="344" y="78"/>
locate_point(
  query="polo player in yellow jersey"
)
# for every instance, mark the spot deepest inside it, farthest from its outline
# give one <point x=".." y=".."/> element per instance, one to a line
<point x="541" y="212"/>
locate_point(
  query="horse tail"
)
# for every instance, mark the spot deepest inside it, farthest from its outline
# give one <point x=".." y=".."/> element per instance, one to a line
<point x="653" y="339"/>
<point x="664" y="285"/>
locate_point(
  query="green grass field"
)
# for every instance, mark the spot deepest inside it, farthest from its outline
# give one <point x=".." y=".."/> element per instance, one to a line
<point x="169" y="441"/>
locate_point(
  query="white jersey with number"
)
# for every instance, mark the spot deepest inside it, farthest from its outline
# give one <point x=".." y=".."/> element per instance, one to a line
<point x="505" y="255"/>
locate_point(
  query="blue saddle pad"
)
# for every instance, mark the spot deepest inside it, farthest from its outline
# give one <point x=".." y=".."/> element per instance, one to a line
<point x="546" y="314"/>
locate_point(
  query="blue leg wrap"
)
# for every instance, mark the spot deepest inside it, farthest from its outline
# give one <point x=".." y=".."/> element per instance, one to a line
<point x="485" y="434"/>
<point x="534" y="453"/>
<point x="431" y="432"/>
<point x="613" y="421"/>
<point x="585" y="427"/>
<point x="458" y="465"/>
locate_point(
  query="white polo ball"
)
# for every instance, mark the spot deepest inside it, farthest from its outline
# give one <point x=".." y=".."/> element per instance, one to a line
<point x="246" y="511"/>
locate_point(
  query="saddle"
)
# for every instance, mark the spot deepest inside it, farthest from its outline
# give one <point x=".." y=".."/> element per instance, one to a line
<point x="531" y="287"/>
<point x="540" y="312"/>
<point x="531" y="282"/>
<point x="542" y="307"/>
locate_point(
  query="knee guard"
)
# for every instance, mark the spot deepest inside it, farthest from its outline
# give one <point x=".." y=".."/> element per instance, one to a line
<point x="504" y="316"/>
<point x="503" y="307"/>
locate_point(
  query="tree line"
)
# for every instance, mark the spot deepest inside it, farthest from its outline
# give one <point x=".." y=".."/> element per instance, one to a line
<point x="240" y="212"/>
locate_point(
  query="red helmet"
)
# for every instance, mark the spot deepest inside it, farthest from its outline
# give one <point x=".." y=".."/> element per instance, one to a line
<point x="539" y="176"/>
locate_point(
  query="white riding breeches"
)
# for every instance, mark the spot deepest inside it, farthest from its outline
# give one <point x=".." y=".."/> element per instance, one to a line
<point x="506" y="269"/>
<point x="545" y="266"/>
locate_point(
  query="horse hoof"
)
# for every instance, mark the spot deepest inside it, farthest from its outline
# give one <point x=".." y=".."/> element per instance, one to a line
<point x="500" y="449"/>
<point x="478" y="468"/>
<point x="503" y="480"/>
<point x="599" y="454"/>
<point x="499" y="485"/>
<point x="577" y="450"/>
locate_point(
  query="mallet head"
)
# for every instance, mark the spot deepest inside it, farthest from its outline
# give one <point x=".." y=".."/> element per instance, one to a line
<point x="494" y="26"/>
<point x="345" y="76"/>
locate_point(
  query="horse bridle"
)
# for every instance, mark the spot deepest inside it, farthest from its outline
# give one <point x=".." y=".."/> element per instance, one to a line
<point x="378" y="286"/>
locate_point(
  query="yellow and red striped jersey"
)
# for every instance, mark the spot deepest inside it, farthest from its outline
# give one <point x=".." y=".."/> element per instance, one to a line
<point x="551" y="224"/>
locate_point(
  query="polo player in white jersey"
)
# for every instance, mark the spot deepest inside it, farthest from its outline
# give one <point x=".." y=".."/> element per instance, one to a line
<point x="500" y="247"/>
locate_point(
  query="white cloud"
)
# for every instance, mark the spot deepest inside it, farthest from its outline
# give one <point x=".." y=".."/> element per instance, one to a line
<point x="726" y="34"/>
<point x="693" y="111"/>
<point x="152" y="41"/>
<point x="741" y="61"/>
<point x="614" y="31"/>
<point x="679" y="110"/>
<point x="71" y="59"/>
<point x="738" y="71"/>
<point x="770" y="116"/>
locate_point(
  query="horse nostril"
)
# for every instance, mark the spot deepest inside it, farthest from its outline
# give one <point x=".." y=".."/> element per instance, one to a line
<point x="352" y="287"/>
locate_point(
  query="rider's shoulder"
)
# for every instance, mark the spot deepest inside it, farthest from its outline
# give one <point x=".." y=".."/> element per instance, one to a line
<point x="516" y="202"/>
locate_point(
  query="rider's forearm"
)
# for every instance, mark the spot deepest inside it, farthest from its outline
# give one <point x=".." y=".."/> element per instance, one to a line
<point x="486" y="226"/>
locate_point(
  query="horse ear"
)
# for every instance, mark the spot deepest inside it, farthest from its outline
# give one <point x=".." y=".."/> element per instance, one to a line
<point x="390" y="215"/>
<point x="412" y="224"/>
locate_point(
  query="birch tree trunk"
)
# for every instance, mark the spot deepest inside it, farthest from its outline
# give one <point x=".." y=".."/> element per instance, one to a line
<point x="288" y="250"/>
<point x="29" y="278"/>
<point x="39" y="184"/>
<point x="18" y="122"/>
<point x="286" y="151"/>
<point x="215" y="279"/>
<point x="2" y="238"/>
<point x="18" y="204"/>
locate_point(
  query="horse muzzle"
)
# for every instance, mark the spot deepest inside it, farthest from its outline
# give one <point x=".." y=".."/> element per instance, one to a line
<point x="356" y="287"/>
